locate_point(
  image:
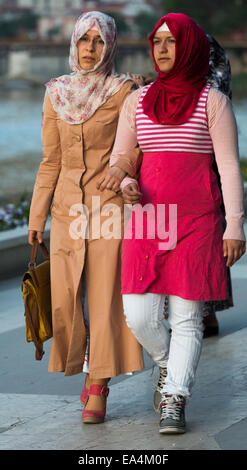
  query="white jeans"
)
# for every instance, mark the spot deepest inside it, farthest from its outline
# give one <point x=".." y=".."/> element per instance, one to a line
<point x="181" y="350"/>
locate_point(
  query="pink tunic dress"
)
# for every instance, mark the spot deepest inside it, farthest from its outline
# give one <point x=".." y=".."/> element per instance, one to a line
<point x="181" y="190"/>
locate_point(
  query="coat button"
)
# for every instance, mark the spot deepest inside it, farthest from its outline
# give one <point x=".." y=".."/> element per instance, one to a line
<point x="141" y="278"/>
<point x="146" y="256"/>
<point x="78" y="138"/>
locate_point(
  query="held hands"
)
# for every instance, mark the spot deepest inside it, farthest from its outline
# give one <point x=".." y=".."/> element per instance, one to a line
<point x="233" y="250"/>
<point x="33" y="235"/>
<point x="131" y="194"/>
<point x="111" y="179"/>
<point x="140" y="79"/>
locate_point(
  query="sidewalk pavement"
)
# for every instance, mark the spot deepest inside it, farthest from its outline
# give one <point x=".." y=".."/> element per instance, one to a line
<point x="216" y="412"/>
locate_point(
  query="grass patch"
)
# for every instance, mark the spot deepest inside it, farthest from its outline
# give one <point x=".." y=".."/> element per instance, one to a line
<point x="243" y="166"/>
<point x="239" y="86"/>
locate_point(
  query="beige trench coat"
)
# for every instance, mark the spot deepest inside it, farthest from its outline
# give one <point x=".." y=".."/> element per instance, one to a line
<point x="74" y="157"/>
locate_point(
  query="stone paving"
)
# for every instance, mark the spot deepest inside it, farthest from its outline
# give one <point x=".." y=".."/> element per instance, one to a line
<point x="32" y="418"/>
<point x="216" y="412"/>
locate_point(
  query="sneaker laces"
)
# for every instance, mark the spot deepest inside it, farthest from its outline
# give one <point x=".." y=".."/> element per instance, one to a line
<point x="161" y="382"/>
<point x="162" y="376"/>
<point x="171" y="406"/>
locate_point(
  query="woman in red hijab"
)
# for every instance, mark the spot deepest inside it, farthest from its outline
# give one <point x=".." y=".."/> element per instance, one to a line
<point x="174" y="245"/>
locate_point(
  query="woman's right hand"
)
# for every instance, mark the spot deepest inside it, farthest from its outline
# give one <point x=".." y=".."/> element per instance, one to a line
<point x="131" y="194"/>
<point x="34" y="235"/>
<point x="111" y="179"/>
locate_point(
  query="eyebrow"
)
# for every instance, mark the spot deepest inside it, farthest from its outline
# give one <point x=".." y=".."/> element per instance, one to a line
<point x="157" y="37"/>
<point x="86" y="34"/>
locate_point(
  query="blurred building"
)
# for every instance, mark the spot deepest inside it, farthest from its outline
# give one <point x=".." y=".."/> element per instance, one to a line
<point x="46" y="7"/>
<point x="56" y="18"/>
<point x="58" y="7"/>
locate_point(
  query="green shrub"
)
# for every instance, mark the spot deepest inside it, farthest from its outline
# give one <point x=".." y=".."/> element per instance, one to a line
<point x="243" y="166"/>
<point x="15" y="214"/>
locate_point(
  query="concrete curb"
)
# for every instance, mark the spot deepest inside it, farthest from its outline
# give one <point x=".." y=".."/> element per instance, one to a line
<point x="15" y="251"/>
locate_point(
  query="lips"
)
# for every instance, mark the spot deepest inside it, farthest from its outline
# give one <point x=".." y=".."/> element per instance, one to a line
<point x="88" y="59"/>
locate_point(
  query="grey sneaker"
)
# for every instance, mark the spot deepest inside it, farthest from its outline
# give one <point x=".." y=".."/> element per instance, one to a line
<point x="159" y="386"/>
<point x="172" y="417"/>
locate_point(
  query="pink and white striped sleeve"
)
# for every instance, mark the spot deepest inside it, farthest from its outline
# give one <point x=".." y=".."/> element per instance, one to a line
<point x="126" y="153"/>
<point x="224" y="134"/>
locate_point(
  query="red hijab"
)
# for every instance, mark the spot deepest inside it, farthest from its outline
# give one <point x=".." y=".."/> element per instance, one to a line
<point x="172" y="98"/>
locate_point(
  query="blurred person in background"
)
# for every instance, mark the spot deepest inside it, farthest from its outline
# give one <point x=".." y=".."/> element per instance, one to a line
<point x="219" y="77"/>
<point x="80" y="117"/>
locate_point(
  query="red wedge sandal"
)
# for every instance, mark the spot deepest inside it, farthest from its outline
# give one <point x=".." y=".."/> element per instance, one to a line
<point x="95" y="416"/>
<point x="84" y="393"/>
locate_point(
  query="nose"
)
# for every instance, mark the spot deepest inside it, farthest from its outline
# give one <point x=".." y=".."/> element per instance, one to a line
<point x="163" y="46"/>
<point x="90" y="46"/>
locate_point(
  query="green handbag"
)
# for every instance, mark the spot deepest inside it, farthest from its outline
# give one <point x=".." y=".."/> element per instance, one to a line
<point x="36" y="292"/>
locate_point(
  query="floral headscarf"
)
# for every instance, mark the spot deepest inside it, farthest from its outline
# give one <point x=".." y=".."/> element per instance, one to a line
<point x="77" y="96"/>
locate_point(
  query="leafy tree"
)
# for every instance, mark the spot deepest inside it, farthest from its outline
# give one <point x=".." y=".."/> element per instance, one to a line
<point x="8" y="29"/>
<point x="145" y="22"/>
<point x="28" y="21"/>
<point x="215" y="16"/>
<point x="22" y="22"/>
<point x="122" y="26"/>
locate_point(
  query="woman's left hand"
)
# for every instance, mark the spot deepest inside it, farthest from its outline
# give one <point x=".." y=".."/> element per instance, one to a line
<point x="233" y="250"/>
<point x="111" y="179"/>
<point x="140" y="79"/>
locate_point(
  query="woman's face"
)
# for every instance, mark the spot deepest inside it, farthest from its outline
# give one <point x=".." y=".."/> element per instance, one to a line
<point x="90" y="48"/>
<point x="164" y="50"/>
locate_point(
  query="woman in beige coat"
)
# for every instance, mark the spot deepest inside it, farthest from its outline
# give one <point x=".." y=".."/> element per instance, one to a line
<point x="81" y="112"/>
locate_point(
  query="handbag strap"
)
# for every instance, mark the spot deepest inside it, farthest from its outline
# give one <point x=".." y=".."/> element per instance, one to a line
<point x="34" y="252"/>
<point x="38" y="344"/>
